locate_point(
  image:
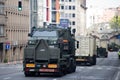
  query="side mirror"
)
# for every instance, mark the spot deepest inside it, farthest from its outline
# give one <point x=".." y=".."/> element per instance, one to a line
<point x="77" y="44"/>
<point x="29" y="34"/>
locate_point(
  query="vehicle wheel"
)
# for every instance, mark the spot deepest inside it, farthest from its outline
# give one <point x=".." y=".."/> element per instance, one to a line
<point x="27" y="74"/>
<point x="60" y="73"/>
<point x="72" y="67"/>
<point x="93" y="60"/>
<point x="106" y="54"/>
<point x="119" y="56"/>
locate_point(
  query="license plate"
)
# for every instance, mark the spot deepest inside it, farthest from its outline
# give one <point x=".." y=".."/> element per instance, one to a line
<point x="31" y="70"/>
<point x="80" y="59"/>
<point x="30" y="65"/>
<point x="46" y="70"/>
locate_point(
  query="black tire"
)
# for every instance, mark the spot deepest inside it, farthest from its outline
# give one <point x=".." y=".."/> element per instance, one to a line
<point x="119" y="56"/>
<point x="93" y="60"/>
<point x="72" y="67"/>
<point x="106" y="55"/>
<point x="60" y="73"/>
<point x="27" y="74"/>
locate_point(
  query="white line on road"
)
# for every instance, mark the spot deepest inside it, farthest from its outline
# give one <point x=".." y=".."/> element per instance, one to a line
<point x="117" y="77"/>
<point x="7" y="78"/>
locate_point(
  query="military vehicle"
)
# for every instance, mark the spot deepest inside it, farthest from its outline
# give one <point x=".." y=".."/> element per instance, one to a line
<point x="102" y="49"/>
<point x="50" y="50"/>
<point x="86" y="53"/>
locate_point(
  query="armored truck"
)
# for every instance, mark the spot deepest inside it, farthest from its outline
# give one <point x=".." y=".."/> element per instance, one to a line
<point x="50" y="50"/>
<point x="86" y="53"/>
<point x="102" y="49"/>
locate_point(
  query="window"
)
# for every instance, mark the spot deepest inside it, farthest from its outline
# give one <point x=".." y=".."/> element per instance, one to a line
<point x="69" y="15"/>
<point x="66" y="15"/>
<point x="62" y="7"/>
<point x="54" y="17"/>
<point x="1" y="8"/>
<point x="62" y="0"/>
<point x="73" y="23"/>
<point x="53" y="4"/>
<point x="70" y="23"/>
<point x="73" y="15"/>
<point x="69" y="7"/>
<point x="73" y="0"/>
<point x="73" y="7"/>
<point x="70" y="0"/>
<point x="66" y="0"/>
<point x="1" y="30"/>
<point x="66" y="7"/>
<point x="61" y="15"/>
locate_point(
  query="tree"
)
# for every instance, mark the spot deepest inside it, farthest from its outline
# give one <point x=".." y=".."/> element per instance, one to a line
<point x="115" y="22"/>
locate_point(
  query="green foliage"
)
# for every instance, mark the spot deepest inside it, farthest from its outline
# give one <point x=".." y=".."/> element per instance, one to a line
<point x="5" y="60"/>
<point x="115" y="22"/>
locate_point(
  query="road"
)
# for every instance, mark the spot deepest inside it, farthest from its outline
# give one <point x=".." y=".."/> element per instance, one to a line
<point x="105" y="69"/>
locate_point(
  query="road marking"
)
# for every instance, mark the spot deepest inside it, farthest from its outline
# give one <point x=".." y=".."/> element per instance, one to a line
<point x="90" y="77"/>
<point x="7" y="78"/>
<point x="117" y="77"/>
<point x="10" y="67"/>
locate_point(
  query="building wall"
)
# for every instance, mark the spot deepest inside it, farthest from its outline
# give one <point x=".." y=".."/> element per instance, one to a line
<point x="75" y="11"/>
<point x="17" y="28"/>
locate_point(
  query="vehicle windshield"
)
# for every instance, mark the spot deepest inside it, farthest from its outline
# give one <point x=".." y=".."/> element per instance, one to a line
<point x="47" y="35"/>
<point x="50" y="36"/>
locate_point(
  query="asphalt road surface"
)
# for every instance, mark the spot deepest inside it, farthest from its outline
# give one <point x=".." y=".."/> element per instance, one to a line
<point x="105" y="69"/>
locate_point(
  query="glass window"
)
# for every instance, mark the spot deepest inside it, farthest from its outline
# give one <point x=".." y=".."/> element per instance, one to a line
<point x="1" y="30"/>
<point x="1" y="8"/>
<point x="62" y="0"/>
<point x="73" y="23"/>
<point x="73" y="15"/>
<point x="73" y="7"/>
<point x="66" y="15"/>
<point x="62" y="7"/>
<point x="66" y="0"/>
<point x="66" y="7"/>
<point x="61" y="14"/>
<point x="70" y="0"/>
<point x="73" y="0"/>
<point x="69" y="7"/>
<point x="69" y="15"/>
<point x="70" y="23"/>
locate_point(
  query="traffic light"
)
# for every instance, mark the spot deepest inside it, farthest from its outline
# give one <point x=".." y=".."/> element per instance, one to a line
<point x="19" y="5"/>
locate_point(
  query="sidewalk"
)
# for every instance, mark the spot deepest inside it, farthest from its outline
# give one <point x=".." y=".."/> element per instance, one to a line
<point x="12" y="63"/>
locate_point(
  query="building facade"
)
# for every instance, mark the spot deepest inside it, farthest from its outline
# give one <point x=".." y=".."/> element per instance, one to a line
<point x="75" y="11"/>
<point x="14" y="29"/>
<point x="54" y="10"/>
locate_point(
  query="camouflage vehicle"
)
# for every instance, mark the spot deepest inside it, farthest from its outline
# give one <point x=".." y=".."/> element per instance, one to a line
<point x="50" y="50"/>
<point x="102" y="49"/>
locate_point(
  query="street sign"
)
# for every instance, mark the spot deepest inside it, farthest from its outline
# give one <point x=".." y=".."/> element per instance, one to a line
<point x="7" y="46"/>
<point x="64" y="23"/>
